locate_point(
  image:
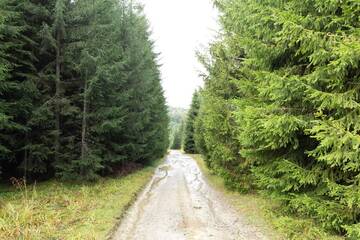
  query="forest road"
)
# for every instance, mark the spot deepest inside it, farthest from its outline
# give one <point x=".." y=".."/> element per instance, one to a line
<point x="178" y="203"/>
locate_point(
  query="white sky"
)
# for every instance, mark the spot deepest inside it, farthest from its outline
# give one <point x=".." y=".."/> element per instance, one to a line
<point x="180" y="27"/>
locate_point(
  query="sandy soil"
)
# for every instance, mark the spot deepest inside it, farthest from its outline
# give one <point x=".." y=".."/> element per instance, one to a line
<point x="179" y="204"/>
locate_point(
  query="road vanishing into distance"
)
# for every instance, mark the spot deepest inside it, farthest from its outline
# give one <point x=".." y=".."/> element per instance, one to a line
<point x="178" y="203"/>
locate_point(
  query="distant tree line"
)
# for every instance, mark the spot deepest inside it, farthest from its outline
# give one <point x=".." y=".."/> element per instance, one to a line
<point x="280" y="108"/>
<point x="178" y="136"/>
<point x="184" y="132"/>
<point x="177" y="118"/>
<point x="80" y="92"/>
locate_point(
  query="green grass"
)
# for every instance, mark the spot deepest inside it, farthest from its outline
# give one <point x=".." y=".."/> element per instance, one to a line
<point x="266" y="213"/>
<point x="58" y="210"/>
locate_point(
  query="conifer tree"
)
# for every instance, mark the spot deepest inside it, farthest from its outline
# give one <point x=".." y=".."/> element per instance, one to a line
<point x="189" y="132"/>
<point x="5" y="120"/>
<point x="199" y="130"/>
<point x="19" y="44"/>
<point x="282" y="91"/>
<point x="80" y="89"/>
<point x="59" y="32"/>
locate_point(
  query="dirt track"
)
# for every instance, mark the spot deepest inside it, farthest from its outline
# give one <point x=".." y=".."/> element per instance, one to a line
<point x="179" y="204"/>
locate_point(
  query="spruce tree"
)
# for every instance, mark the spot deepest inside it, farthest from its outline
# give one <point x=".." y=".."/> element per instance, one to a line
<point x="59" y="33"/>
<point x="80" y="89"/>
<point x="199" y="130"/>
<point x="282" y="91"/>
<point x="189" y="132"/>
<point x="19" y="43"/>
<point x="5" y="120"/>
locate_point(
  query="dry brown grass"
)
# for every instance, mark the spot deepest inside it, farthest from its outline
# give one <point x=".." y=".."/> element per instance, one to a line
<point x="57" y="210"/>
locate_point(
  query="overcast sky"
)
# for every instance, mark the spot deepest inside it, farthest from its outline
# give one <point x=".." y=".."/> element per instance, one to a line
<point x="180" y="27"/>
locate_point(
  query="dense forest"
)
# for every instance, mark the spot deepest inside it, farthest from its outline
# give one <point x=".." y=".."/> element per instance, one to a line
<point x="280" y="108"/>
<point x="80" y="92"/>
<point x="81" y="98"/>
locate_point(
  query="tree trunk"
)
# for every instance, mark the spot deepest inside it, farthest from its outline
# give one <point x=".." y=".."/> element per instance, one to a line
<point x="57" y="98"/>
<point x="84" y="123"/>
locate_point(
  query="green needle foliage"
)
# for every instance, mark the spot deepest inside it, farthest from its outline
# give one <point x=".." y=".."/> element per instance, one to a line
<point x="189" y="132"/>
<point x="177" y="119"/>
<point x="178" y="137"/>
<point x="80" y="89"/>
<point x="280" y="108"/>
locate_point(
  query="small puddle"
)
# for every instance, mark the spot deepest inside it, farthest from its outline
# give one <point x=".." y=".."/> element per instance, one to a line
<point x="163" y="169"/>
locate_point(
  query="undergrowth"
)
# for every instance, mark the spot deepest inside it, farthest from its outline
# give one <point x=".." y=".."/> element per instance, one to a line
<point x="59" y="210"/>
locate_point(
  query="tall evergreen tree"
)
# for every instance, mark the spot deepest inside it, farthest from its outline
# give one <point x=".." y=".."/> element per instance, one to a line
<point x="282" y="91"/>
<point x="59" y="32"/>
<point x="80" y="89"/>
<point x="189" y="132"/>
<point x="19" y="42"/>
<point x="5" y="119"/>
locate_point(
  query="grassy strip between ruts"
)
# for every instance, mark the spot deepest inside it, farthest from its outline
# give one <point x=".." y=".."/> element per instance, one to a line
<point x="57" y="210"/>
<point x="266" y="213"/>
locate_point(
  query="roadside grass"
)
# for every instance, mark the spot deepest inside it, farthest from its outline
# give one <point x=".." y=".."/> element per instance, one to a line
<point x="265" y="213"/>
<point x="60" y="210"/>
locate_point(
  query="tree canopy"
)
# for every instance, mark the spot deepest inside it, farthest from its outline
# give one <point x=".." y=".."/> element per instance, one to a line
<point x="80" y="89"/>
<point x="280" y="107"/>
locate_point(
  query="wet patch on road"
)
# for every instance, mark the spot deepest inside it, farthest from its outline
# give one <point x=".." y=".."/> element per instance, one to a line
<point x="179" y="204"/>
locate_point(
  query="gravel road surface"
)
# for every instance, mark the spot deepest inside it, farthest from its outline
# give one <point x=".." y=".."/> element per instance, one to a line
<point x="178" y="203"/>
